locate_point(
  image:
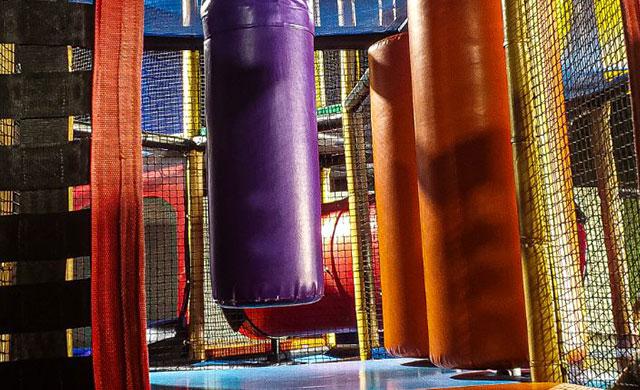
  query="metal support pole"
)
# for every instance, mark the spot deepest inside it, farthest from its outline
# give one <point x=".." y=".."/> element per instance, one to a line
<point x="611" y="210"/>
<point x="545" y="189"/>
<point x="195" y="203"/>
<point x="355" y="158"/>
<point x="275" y="350"/>
<point x="321" y="95"/>
<point x="550" y="121"/>
<point x="187" y="12"/>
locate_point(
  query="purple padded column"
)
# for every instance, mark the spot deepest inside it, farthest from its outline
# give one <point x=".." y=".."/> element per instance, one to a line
<point x="264" y="188"/>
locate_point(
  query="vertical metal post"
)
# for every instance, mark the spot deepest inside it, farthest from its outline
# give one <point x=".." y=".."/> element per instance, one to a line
<point x="355" y="160"/>
<point x="611" y="209"/>
<point x="544" y="353"/>
<point x="187" y="12"/>
<point x="321" y="95"/>
<point x="195" y="203"/>
<point x="610" y="26"/>
<point x="325" y="183"/>
<point x="7" y="137"/>
<point x="550" y="251"/>
<point x="275" y="350"/>
<point x="321" y="101"/>
<point x="550" y="121"/>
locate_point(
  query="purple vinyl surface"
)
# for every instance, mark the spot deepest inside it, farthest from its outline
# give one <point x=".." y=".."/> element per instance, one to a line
<point x="264" y="188"/>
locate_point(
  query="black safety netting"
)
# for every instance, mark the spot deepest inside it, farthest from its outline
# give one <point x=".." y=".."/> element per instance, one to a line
<point x="577" y="175"/>
<point x="578" y="187"/>
<point x="186" y="327"/>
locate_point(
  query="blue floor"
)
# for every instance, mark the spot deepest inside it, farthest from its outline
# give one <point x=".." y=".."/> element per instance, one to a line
<point x="389" y="374"/>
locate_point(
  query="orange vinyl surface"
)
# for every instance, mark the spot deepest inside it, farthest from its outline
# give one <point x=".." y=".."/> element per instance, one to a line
<point x="467" y="192"/>
<point x="402" y="277"/>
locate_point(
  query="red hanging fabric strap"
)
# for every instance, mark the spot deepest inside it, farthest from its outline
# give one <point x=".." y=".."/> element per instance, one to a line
<point x="631" y="20"/>
<point x="120" y="359"/>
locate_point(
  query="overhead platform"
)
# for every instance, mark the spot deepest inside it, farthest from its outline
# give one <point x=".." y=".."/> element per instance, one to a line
<point x="171" y="19"/>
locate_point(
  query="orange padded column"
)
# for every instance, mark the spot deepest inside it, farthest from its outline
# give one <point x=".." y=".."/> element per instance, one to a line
<point x="404" y="308"/>
<point x="466" y="185"/>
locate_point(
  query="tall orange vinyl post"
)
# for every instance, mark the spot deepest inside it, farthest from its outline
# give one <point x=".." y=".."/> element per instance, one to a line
<point x="466" y="184"/>
<point x="404" y="308"/>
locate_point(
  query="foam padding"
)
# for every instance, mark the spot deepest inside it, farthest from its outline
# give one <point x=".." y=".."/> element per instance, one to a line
<point x="335" y="312"/>
<point x="264" y="175"/>
<point x="468" y="210"/>
<point x="52" y="374"/>
<point x="47" y="24"/>
<point x="45" y="95"/>
<point x="45" y="306"/>
<point x="45" y="166"/>
<point x="404" y="308"/>
<point x="45" y="237"/>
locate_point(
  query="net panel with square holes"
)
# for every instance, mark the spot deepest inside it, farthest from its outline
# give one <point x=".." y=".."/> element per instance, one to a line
<point x="577" y="175"/>
<point x="185" y="325"/>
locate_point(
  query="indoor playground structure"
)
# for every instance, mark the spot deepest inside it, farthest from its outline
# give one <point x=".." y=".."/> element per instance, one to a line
<point x="333" y="194"/>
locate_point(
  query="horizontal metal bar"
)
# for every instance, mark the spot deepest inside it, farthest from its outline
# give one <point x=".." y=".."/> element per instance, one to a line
<point x="358" y="94"/>
<point x="329" y="122"/>
<point x="327" y="42"/>
<point x="168" y="142"/>
<point x="349" y="41"/>
<point x="152" y="140"/>
<point x="180" y="144"/>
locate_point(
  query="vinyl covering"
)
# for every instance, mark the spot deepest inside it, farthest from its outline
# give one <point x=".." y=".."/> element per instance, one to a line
<point x="264" y="180"/>
<point x="404" y="308"/>
<point x="466" y="185"/>
<point x="335" y="312"/>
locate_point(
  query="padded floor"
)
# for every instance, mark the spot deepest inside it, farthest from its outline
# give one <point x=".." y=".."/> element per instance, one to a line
<point x="387" y="374"/>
